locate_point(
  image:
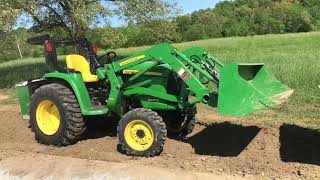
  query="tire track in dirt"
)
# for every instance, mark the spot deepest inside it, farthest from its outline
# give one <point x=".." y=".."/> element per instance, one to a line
<point x="219" y="148"/>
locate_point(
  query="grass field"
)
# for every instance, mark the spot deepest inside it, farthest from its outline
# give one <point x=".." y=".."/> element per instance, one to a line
<point x="292" y="58"/>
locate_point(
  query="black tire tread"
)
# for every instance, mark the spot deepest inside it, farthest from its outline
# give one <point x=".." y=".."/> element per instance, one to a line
<point x="75" y="122"/>
<point x="160" y="129"/>
<point x="189" y="128"/>
<point x="185" y="131"/>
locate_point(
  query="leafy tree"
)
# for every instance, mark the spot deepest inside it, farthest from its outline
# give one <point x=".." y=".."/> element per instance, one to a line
<point x="8" y="16"/>
<point x="195" y="32"/>
<point x="77" y="16"/>
<point x="155" y="16"/>
<point x="264" y="23"/>
<point x="183" y="23"/>
<point x="312" y="6"/>
<point x="146" y="11"/>
<point x="132" y="32"/>
<point x="73" y="16"/>
<point x="107" y="37"/>
<point x="149" y="21"/>
<point x="294" y="17"/>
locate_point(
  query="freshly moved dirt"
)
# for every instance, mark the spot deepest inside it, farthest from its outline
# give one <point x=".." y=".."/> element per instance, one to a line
<point x="39" y="166"/>
<point x="3" y="97"/>
<point x="288" y="152"/>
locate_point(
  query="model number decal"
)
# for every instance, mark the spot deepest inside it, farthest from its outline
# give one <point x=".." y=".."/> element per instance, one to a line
<point x="150" y="73"/>
<point x="131" y="60"/>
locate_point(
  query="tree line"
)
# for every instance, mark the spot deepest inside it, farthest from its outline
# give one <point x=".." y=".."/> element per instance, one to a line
<point x="228" y="18"/>
<point x="149" y="24"/>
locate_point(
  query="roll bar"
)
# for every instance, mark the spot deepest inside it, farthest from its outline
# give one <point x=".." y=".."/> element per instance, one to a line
<point x="51" y="54"/>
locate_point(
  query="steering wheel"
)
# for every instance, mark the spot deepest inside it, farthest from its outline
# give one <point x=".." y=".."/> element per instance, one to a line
<point x="109" y="57"/>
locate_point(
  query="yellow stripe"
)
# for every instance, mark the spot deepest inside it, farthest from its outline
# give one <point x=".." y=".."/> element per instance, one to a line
<point x="153" y="74"/>
<point x="129" y="72"/>
<point x="132" y="60"/>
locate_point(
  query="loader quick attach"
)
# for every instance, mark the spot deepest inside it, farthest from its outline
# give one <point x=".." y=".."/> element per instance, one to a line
<point x="153" y="93"/>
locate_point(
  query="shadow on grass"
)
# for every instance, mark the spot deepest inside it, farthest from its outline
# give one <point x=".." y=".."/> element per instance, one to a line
<point x="299" y="144"/>
<point x="223" y="139"/>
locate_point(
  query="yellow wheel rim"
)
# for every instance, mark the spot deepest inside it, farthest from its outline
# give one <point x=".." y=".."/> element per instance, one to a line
<point x="139" y="135"/>
<point x="48" y="117"/>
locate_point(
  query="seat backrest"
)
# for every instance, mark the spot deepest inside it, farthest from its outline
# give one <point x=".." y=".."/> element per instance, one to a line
<point x="79" y="63"/>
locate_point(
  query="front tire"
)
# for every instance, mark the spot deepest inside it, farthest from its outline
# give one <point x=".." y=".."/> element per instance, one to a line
<point x="141" y="132"/>
<point x="55" y="116"/>
<point x="178" y="124"/>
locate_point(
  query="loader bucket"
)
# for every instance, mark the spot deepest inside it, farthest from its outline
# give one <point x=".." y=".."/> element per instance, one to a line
<point x="248" y="88"/>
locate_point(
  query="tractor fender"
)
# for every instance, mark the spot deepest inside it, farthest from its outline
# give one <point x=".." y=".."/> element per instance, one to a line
<point x="75" y="82"/>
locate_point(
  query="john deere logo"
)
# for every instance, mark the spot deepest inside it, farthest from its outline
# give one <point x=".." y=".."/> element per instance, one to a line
<point x="126" y="62"/>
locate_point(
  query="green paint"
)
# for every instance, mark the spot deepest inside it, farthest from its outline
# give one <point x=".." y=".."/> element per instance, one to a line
<point x="150" y="92"/>
<point x="76" y="83"/>
<point x="115" y="95"/>
<point x="24" y="98"/>
<point x="247" y="88"/>
<point x="243" y="89"/>
<point x="158" y="105"/>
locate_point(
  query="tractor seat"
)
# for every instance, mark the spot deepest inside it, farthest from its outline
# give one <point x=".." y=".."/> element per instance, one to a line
<point x="79" y="63"/>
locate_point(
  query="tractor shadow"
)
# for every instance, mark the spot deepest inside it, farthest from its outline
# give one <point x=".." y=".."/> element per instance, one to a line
<point x="223" y="139"/>
<point x="99" y="127"/>
<point x="299" y="144"/>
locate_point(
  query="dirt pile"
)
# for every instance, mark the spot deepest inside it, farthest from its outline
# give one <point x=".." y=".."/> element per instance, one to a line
<point x="220" y="148"/>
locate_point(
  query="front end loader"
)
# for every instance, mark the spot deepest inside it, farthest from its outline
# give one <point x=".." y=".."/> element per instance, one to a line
<point x="153" y="93"/>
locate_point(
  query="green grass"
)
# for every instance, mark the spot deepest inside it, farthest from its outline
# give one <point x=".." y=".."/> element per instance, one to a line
<point x="294" y="59"/>
<point x="15" y="71"/>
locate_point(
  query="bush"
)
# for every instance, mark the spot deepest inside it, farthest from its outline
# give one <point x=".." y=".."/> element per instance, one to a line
<point x="195" y="32"/>
<point x="35" y="53"/>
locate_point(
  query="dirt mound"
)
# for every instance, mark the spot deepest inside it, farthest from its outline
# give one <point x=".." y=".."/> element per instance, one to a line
<point x="58" y="167"/>
<point x="216" y="147"/>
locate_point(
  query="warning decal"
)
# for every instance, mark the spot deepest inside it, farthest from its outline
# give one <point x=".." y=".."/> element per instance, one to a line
<point x="183" y="74"/>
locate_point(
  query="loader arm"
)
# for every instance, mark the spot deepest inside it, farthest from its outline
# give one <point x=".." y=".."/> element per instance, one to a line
<point x="242" y="88"/>
<point x="178" y="61"/>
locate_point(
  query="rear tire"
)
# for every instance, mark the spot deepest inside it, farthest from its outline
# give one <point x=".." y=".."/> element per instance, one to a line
<point x="71" y="123"/>
<point x="141" y="132"/>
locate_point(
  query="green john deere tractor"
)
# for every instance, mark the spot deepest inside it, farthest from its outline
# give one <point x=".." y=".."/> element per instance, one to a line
<point x="152" y="93"/>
